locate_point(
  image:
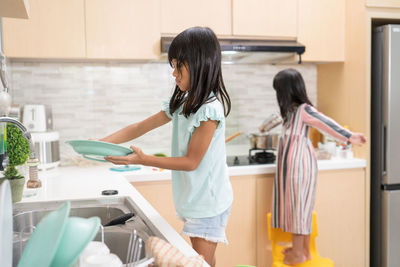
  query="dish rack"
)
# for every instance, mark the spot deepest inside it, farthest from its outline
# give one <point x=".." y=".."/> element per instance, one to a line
<point x="133" y="254"/>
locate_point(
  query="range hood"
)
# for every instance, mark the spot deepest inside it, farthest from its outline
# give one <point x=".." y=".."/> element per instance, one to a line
<point x="252" y="51"/>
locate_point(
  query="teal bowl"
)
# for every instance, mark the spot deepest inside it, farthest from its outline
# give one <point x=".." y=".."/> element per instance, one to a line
<point x="45" y="239"/>
<point x="97" y="150"/>
<point x="77" y="235"/>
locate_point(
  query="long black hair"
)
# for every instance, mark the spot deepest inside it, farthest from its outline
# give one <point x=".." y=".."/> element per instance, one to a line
<point x="290" y="92"/>
<point x="198" y="48"/>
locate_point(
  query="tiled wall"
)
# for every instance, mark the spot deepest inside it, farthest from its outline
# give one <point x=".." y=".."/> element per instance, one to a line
<point x="91" y="100"/>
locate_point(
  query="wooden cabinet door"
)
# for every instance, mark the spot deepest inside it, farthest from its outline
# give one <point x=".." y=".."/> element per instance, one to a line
<point x="340" y="205"/>
<point x="122" y="29"/>
<point x="383" y="3"/>
<point x="321" y="28"/>
<point x="55" y="29"/>
<point x="178" y="15"/>
<point x="265" y="185"/>
<point x="242" y="243"/>
<point x="267" y="18"/>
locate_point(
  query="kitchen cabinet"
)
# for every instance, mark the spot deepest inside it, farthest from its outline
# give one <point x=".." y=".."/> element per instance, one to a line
<point x="14" y="9"/>
<point x="266" y="18"/>
<point x="340" y="207"/>
<point x="242" y="244"/>
<point x="122" y="29"/>
<point x="341" y="217"/>
<point x="55" y="29"/>
<point x="321" y="28"/>
<point x="383" y="3"/>
<point x="95" y="29"/>
<point x="178" y="15"/>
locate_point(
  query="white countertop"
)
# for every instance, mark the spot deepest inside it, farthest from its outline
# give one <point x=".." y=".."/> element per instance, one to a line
<point x="154" y="174"/>
<point x="77" y="183"/>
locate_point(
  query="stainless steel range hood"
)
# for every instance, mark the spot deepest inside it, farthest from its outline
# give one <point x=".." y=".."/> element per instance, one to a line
<point x="252" y="51"/>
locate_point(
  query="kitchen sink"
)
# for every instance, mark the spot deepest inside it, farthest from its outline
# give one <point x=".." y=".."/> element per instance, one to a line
<point x="27" y="215"/>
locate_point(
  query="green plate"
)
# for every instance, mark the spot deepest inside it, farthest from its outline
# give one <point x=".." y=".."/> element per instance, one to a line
<point x="78" y="233"/>
<point x="97" y="150"/>
<point x="43" y="243"/>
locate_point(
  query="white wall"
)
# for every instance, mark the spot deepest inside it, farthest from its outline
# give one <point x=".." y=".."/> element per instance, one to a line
<point x="91" y="100"/>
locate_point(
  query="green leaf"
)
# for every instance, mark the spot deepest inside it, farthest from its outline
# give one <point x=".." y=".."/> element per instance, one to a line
<point x="11" y="173"/>
<point x="17" y="146"/>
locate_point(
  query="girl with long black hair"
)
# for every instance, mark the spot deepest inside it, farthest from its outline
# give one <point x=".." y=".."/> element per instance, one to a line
<point x="201" y="187"/>
<point x="296" y="167"/>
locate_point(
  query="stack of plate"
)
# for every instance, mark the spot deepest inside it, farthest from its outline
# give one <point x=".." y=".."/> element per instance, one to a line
<point x="58" y="240"/>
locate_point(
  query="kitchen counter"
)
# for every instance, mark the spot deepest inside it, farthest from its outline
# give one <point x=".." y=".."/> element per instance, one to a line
<point x="78" y="183"/>
<point x="155" y="174"/>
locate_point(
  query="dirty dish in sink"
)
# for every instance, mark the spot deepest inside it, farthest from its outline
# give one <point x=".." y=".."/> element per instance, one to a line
<point x="43" y="243"/>
<point x="77" y="235"/>
<point x="97" y="150"/>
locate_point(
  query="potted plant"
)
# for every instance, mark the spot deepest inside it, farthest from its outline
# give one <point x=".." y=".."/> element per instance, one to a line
<point x="18" y="153"/>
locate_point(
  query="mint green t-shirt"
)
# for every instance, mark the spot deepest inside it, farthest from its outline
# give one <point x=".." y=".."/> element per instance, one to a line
<point x="206" y="191"/>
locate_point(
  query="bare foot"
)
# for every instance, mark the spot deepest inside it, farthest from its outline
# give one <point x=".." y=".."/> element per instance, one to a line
<point x="307" y="255"/>
<point x="292" y="259"/>
<point x="286" y="250"/>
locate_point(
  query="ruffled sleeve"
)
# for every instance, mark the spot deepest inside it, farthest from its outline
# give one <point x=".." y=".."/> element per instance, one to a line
<point x="210" y="111"/>
<point x="165" y="107"/>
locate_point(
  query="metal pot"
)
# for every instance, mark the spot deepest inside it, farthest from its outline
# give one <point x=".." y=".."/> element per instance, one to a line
<point x="263" y="140"/>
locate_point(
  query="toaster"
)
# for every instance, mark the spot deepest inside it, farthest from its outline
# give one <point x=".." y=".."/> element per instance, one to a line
<point x="37" y="118"/>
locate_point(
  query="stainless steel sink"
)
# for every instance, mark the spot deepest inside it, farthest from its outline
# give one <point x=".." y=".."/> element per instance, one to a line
<point x="28" y="215"/>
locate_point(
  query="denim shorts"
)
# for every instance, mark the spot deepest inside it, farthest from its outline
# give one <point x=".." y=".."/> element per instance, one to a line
<point x="209" y="228"/>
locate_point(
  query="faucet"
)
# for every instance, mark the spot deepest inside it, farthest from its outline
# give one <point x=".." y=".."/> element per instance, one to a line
<point x="5" y="104"/>
<point x="32" y="162"/>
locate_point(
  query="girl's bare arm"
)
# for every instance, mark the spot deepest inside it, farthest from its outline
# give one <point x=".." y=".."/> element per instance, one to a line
<point x="137" y="129"/>
<point x="198" y="145"/>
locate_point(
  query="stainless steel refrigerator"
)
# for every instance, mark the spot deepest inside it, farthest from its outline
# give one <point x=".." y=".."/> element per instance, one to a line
<point x="385" y="147"/>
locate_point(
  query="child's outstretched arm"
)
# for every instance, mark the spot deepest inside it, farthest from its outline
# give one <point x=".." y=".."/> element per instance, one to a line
<point x="198" y="145"/>
<point x="137" y="129"/>
<point x="327" y="126"/>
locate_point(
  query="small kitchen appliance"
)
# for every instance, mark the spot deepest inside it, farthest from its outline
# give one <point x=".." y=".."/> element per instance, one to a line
<point x="37" y="118"/>
<point x="47" y="148"/>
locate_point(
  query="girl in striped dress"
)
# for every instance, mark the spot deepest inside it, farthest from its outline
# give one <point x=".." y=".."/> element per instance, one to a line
<point x="296" y="172"/>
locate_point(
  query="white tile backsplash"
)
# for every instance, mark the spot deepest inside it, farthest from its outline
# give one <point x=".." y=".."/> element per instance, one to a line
<point x="92" y="100"/>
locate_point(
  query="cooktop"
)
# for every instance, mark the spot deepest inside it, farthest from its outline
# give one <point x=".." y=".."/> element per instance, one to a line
<point x="261" y="157"/>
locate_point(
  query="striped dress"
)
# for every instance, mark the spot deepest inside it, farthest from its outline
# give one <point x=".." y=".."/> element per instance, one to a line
<point x="296" y="170"/>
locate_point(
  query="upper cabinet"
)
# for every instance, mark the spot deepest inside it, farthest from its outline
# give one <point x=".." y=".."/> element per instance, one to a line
<point x="131" y="29"/>
<point x="55" y="29"/>
<point x="383" y="3"/>
<point x="14" y="9"/>
<point x="178" y="15"/>
<point x="321" y="28"/>
<point x="122" y="29"/>
<point x="265" y="18"/>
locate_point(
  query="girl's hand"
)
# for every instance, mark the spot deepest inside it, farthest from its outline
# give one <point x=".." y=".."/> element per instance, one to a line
<point x="357" y="139"/>
<point x="137" y="157"/>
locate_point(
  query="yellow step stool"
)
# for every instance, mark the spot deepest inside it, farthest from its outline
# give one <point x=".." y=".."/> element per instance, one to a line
<point x="276" y="235"/>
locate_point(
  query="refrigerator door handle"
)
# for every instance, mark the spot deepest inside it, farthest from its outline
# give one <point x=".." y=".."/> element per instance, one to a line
<point x="384" y="150"/>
